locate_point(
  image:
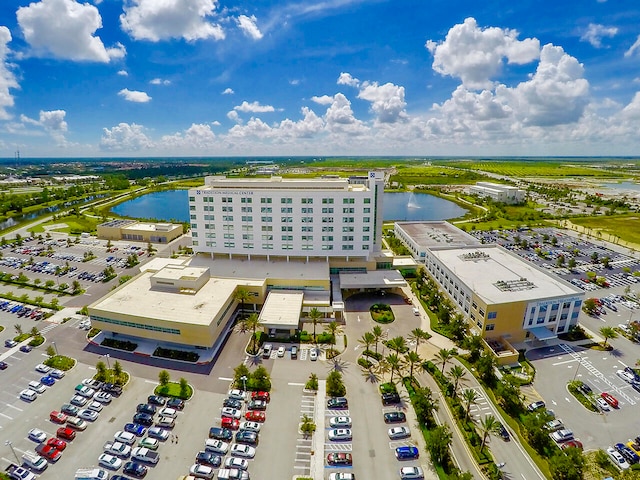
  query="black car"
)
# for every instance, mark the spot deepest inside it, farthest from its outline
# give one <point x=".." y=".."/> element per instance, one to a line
<point x="3" y="365"/>
<point x="504" y="433"/>
<point x="257" y="405"/>
<point x="26" y="348"/>
<point x="220" y="433"/>
<point x="247" y="437"/>
<point x="207" y="458"/>
<point x="135" y="469"/>
<point x="395" y="417"/>
<point x="390" y="398"/>
<point x="112" y="388"/>
<point x="175" y="403"/>
<point x="143" y="419"/>
<point x="337" y="403"/>
<point x="146" y="408"/>
<point x="232" y="403"/>
<point x="156" y="400"/>
<point x="584" y="388"/>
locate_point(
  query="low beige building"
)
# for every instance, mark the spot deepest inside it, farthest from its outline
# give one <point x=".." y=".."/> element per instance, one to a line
<point x="134" y="231"/>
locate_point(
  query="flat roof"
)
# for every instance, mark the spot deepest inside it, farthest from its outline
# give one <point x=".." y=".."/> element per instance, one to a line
<point x="138" y="298"/>
<point x="180" y="272"/>
<point x="151" y="227"/>
<point x="280" y="183"/>
<point x="432" y="234"/>
<point x="282" y="308"/>
<point x="498" y="276"/>
<point x="239" y="267"/>
<point x="374" y="279"/>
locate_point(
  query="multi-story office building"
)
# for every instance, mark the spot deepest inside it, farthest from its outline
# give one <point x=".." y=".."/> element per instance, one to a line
<point x="279" y="217"/>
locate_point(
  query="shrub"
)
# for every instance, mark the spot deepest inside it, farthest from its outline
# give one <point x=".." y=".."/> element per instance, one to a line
<point x="37" y="341"/>
<point x="388" y="388"/>
<point x="60" y="362"/>
<point x="119" y="344"/>
<point x="335" y="385"/>
<point x="364" y="363"/>
<point x="370" y="353"/>
<point x="312" y="383"/>
<point x="182" y="355"/>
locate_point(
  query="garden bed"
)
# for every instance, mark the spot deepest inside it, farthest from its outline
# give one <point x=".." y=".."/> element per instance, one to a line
<point x="182" y="355"/>
<point x="119" y="344"/>
<point x="381" y="313"/>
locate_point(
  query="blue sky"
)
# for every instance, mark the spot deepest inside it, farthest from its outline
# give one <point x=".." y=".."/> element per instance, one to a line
<point x="325" y="77"/>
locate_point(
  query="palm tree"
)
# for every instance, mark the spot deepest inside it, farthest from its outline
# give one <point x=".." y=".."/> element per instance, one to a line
<point x="412" y="359"/>
<point x="607" y="333"/>
<point x="367" y="340"/>
<point x="443" y="357"/>
<point x="456" y="376"/>
<point x="314" y="315"/>
<point x="378" y="334"/>
<point x="333" y="329"/>
<point x="241" y="295"/>
<point x="395" y="364"/>
<point x="418" y="335"/>
<point x="397" y="344"/>
<point x="469" y="398"/>
<point x="489" y="424"/>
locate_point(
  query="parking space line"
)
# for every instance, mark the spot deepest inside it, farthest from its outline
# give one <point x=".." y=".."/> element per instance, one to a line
<point x="13" y="406"/>
<point x="6" y="416"/>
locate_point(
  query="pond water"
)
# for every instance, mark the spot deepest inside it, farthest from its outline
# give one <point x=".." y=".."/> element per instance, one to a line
<point x="173" y="205"/>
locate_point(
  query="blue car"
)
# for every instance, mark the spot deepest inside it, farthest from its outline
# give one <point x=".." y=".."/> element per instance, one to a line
<point x="48" y="380"/>
<point x="407" y="453"/>
<point x="135" y="428"/>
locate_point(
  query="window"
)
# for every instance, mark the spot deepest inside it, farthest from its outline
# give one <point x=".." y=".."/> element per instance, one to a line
<point x="247" y="218"/>
<point x="307" y="210"/>
<point x="266" y="200"/>
<point x="194" y="226"/>
<point x="306" y="200"/>
<point x="327" y="238"/>
<point x="347" y="238"/>
<point x="246" y="200"/>
<point x="307" y="228"/>
<point x="266" y="210"/>
<point x="267" y="219"/>
<point x="492" y="315"/>
<point x="287" y="246"/>
<point x="365" y="247"/>
<point x="365" y="238"/>
<point x="227" y="199"/>
<point x="481" y="312"/>
<point x="194" y="234"/>
<point x="327" y="200"/>
<point x="192" y="199"/>
<point x="365" y="229"/>
<point x="267" y="246"/>
<point x="229" y="236"/>
<point x="227" y="209"/>
<point x="366" y="219"/>
<point x="347" y="201"/>
<point x="367" y="200"/>
<point x="267" y="228"/>
<point x="227" y="218"/>
<point x="230" y="244"/>
<point x="327" y="210"/>
<point x="347" y="247"/>
<point x="347" y="229"/>
<point x="247" y="236"/>
<point x="193" y="217"/>
<point x="208" y="208"/>
<point x="348" y="210"/>
<point x="286" y="210"/>
<point x="347" y="219"/>
<point x="246" y="209"/>
<point x="286" y="219"/>
<point x="267" y="237"/>
<point x="307" y="238"/>
<point x="247" y="245"/>
<point x="287" y="238"/>
<point x="192" y="208"/>
<point x="490" y="326"/>
<point x="366" y="210"/>
<point x="327" y="219"/>
<point x="327" y="229"/>
<point x="247" y="228"/>
<point x="307" y="219"/>
<point x="286" y="200"/>
<point x="327" y="247"/>
<point x="286" y="228"/>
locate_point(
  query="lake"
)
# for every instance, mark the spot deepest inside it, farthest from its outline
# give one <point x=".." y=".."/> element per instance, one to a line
<point x="172" y="205"/>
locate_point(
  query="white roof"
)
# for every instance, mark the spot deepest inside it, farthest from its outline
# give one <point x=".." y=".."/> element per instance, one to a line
<point x="374" y="279"/>
<point x="282" y="309"/>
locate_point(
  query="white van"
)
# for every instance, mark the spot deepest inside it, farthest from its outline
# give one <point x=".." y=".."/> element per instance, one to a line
<point x="34" y="461"/>
<point x="416" y="312"/>
<point x="28" y="395"/>
<point x="37" y="387"/>
<point x="91" y="474"/>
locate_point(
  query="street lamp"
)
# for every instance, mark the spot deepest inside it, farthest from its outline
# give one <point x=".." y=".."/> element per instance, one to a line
<point x="55" y="347"/>
<point x="244" y="383"/>
<point x="8" y="442"/>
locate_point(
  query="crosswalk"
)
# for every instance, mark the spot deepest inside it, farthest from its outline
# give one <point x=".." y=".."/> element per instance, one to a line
<point x="48" y="328"/>
<point x="304" y="446"/>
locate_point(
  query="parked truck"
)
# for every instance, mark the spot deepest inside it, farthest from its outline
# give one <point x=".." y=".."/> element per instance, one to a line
<point x="34" y="461"/>
<point x="232" y="474"/>
<point x="145" y="455"/>
<point x="91" y="474"/>
<point x="16" y="472"/>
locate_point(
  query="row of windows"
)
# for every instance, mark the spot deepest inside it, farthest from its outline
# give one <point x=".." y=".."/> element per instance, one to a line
<point x="283" y="200"/>
<point x="269" y="219"/>
<point x="113" y="321"/>
<point x="270" y="246"/>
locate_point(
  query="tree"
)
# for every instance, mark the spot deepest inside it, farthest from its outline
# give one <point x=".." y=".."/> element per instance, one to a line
<point x="489" y="424"/>
<point x="509" y="396"/>
<point x="335" y="385"/>
<point x="163" y="378"/>
<point x="117" y="370"/>
<point x="18" y="328"/>
<point x="437" y="442"/>
<point x="184" y="387"/>
<point x="456" y="376"/>
<point x="443" y="357"/>
<point x="49" y="283"/>
<point x="397" y="344"/>
<point x="367" y="340"/>
<point x="567" y="465"/>
<point x="34" y="332"/>
<point x="590" y="306"/>
<point x="101" y="371"/>
<point x="418" y="335"/>
<point x="475" y="345"/>
<point x="412" y="359"/>
<point x="260" y="379"/>
<point x="607" y="333"/>
<point x="486" y="365"/>
<point x="252" y="322"/>
<point x="242" y="295"/>
<point x="395" y="364"/>
<point x="307" y="427"/>
<point x="425" y="405"/>
<point x="76" y="287"/>
<point x="240" y="371"/>
<point x="378" y="334"/>
<point x="469" y="398"/>
<point x="51" y="351"/>
<point x="315" y="315"/>
<point x="312" y="383"/>
<point x="333" y="329"/>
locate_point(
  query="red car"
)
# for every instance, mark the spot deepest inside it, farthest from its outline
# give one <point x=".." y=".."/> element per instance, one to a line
<point x="230" y="423"/>
<point x="339" y="458"/>
<point x="57" y="443"/>
<point x="571" y="443"/>
<point x="610" y="399"/>
<point x="255" y="416"/>
<point x="57" y="417"/>
<point x="66" y="433"/>
<point x="47" y="451"/>
<point x="265" y="396"/>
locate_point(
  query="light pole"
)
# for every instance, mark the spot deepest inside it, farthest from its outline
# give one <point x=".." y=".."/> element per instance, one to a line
<point x="8" y="442"/>
<point x="577" y="368"/>
<point x="244" y="383"/>
<point x="55" y="347"/>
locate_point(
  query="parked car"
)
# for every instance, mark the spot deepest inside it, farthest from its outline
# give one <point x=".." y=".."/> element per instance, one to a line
<point x="48" y="381"/>
<point x="119" y="449"/>
<point x="57" y="374"/>
<point x="37" y="435"/>
<point x="135" y="469"/>
<point x="135" y="428"/>
<point x="49" y="452"/>
<point x="156" y="400"/>
<point x="232" y="403"/>
<point x="146" y="408"/>
<point x="603" y="405"/>
<point x="236" y="462"/>
<point x="69" y="409"/>
<point x="42" y="368"/>
<point x="125" y="437"/>
<point x="255" y="416"/>
<point x="4" y="365"/>
<point x="572" y="444"/>
<point x="158" y="433"/>
<point x="395" y="417"/>
<point x="165" y="422"/>
<point x="407" y="453"/>
<point x="585" y="389"/>
<point x="57" y="443"/>
<point x="396" y="433"/>
<point x="339" y="458"/>
<point x="76" y="423"/>
<point x="336" y="403"/>
<point x="112" y="389"/>
<point x="150" y="443"/>
<point x="251" y="426"/>
<point x="313" y="354"/>
<point x="199" y="470"/>
<point x="88" y="414"/>
<point x="230" y="423"/>
<point x="231" y="412"/>
<point x="610" y="399"/>
<point x="103" y="397"/>
<point x="340" y="422"/>
<point x="411" y="473"/>
<point x="57" y="417"/>
<point x="281" y="351"/>
<point x="26" y="348"/>
<point x="208" y="458"/>
<point x="257" y="405"/>
<point x="220" y="433"/>
<point x="244" y="451"/>
<point x="532" y="407"/>
<point x="28" y="395"/>
<point x="85" y="391"/>
<point x="237" y="394"/>
<point x="261" y="395"/>
<point x="247" y="437"/>
<point x="390" y="398"/>
<point x="554" y="425"/>
<point x="109" y="461"/>
<point x="216" y="446"/>
<point x="143" y="419"/>
<point x="340" y="434"/>
<point x="175" y="403"/>
<point x="95" y="406"/>
<point x="617" y="459"/>
<point x="562" y="435"/>
<point x="66" y="433"/>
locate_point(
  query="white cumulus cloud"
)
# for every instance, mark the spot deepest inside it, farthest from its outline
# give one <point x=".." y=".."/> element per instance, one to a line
<point x="198" y="136"/>
<point x="387" y="101"/>
<point x="634" y="49"/>
<point x="254" y="107"/>
<point x="123" y="73"/>
<point x="7" y="78"/>
<point x="134" y="96"/>
<point x="347" y="79"/>
<point x="596" y="32"/>
<point x="340" y="118"/>
<point x="124" y="137"/>
<point x="249" y="27"/>
<point x="476" y="55"/>
<point x="159" y="81"/>
<point x="157" y="20"/>
<point x="228" y="91"/>
<point x="65" y="29"/>
<point x="323" y="99"/>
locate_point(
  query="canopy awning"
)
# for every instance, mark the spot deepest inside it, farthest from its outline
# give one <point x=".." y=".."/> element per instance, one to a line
<point x="542" y="333"/>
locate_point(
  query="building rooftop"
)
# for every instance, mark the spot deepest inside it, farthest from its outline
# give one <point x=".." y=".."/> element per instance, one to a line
<point x="280" y="183"/>
<point x="498" y="276"/>
<point x="282" y="308"/>
<point x="151" y="227"/>
<point x="433" y="234"/>
<point x="261" y="268"/>
<point x="180" y="272"/>
<point x="374" y="279"/>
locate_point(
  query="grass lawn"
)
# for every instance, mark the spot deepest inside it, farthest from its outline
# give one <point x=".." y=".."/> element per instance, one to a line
<point x="75" y="225"/>
<point x="172" y="389"/>
<point x="614" y="226"/>
<point x="60" y="362"/>
<point x="537" y="168"/>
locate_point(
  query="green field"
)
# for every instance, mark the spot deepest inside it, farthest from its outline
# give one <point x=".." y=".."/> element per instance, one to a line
<point x="434" y="175"/>
<point x="542" y="168"/>
<point x="75" y="225"/>
<point x="622" y="227"/>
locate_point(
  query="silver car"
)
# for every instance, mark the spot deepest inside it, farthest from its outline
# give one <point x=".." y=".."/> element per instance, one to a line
<point x="87" y="414"/>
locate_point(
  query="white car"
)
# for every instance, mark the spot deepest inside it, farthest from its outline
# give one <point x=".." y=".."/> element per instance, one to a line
<point x="79" y="401"/>
<point x="42" y="368"/>
<point x="85" y="391"/>
<point x="340" y="434"/>
<point x="201" y="471"/>
<point x="313" y="354"/>
<point x="109" y="461"/>
<point x="617" y="459"/>
<point x="244" y="451"/>
<point x="103" y="397"/>
<point x="37" y="435"/>
<point x="87" y="414"/>
<point x="159" y="433"/>
<point x="216" y="446"/>
<point x="95" y="406"/>
<point x="603" y="405"/>
<point x="165" y="422"/>
<point x="237" y="394"/>
<point x="118" y="449"/>
<point x="124" y="437"/>
<point x="55" y="373"/>
<point x="37" y="387"/>
<point x="28" y="395"/>
<point x="340" y="422"/>
<point x="235" y="462"/>
<point x="626" y="376"/>
<point x="168" y="412"/>
<point x="411" y="473"/>
<point x="231" y="412"/>
<point x="251" y="426"/>
<point x="399" y="432"/>
<point x="342" y="476"/>
<point x="281" y="351"/>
